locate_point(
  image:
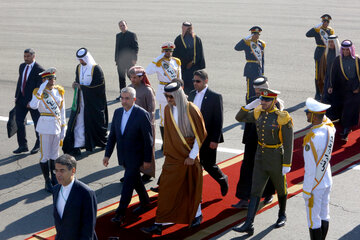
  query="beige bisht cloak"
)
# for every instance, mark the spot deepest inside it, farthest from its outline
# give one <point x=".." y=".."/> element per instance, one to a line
<point x="180" y="188"/>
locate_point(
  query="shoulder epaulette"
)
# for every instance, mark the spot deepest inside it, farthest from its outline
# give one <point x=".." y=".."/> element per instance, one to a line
<point x="60" y="89"/>
<point x="247" y="42"/>
<point x="158" y="63"/>
<point x="262" y="43"/>
<point x="317" y="29"/>
<point x="257" y="112"/>
<point x="331" y="31"/>
<point x="178" y="61"/>
<point x="283" y="117"/>
<point x="308" y="137"/>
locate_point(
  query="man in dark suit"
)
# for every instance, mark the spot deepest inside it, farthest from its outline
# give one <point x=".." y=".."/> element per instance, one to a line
<point x="131" y="131"/>
<point x="74" y="203"/>
<point x="29" y="79"/>
<point x="126" y="50"/>
<point x="211" y="107"/>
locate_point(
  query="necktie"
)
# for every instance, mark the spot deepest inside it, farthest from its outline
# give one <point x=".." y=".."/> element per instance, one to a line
<point x="24" y="82"/>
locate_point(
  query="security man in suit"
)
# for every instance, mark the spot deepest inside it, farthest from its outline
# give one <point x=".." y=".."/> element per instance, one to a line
<point x="273" y="156"/>
<point x="254" y="54"/>
<point x="75" y="204"/>
<point x="126" y="51"/>
<point x="321" y="33"/>
<point x="132" y="133"/>
<point x="318" y="145"/>
<point x="211" y="107"/>
<point x="29" y="79"/>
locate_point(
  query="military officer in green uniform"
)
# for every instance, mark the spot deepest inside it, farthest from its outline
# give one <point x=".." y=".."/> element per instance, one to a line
<point x="273" y="155"/>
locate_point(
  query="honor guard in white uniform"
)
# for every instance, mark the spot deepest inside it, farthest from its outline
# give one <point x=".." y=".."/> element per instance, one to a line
<point x="49" y="100"/>
<point x="318" y="145"/>
<point x="167" y="68"/>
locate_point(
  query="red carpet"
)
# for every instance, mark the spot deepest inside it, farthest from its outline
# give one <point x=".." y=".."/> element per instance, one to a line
<point x="217" y="213"/>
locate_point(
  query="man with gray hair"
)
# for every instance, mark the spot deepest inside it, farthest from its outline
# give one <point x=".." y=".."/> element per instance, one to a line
<point x="75" y="204"/>
<point x="28" y="80"/>
<point x="180" y="188"/>
<point x="132" y="133"/>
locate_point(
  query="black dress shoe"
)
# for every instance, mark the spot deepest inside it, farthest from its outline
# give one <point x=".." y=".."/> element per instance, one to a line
<point x="245" y="229"/>
<point x="281" y="221"/>
<point x="21" y="150"/>
<point x="155" y="189"/>
<point x="154" y="229"/>
<point x="141" y="209"/>
<point x="145" y="178"/>
<point x="35" y="149"/>
<point x="118" y="98"/>
<point x="118" y="218"/>
<point x="224" y="186"/>
<point x="196" y="222"/>
<point x="76" y="152"/>
<point x="268" y="199"/>
<point x="122" y="179"/>
<point x="242" y="204"/>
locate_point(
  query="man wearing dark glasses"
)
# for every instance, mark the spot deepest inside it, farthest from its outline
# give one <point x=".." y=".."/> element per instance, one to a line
<point x="273" y="155"/>
<point x="211" y="106"/>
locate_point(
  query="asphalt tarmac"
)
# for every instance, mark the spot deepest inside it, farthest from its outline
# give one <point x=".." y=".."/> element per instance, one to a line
<point x="56" y="29"/>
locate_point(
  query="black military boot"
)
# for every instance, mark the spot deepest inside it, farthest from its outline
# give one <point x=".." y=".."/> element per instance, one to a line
<point x="53" y="175"/>
<point x="282" y="216"/>
<point x="315" y="234"/>
<point x="324" y="229"/>
<point x="45" y="172"/>
<point x="162" y="137"/>
<point x="248" y="225"/>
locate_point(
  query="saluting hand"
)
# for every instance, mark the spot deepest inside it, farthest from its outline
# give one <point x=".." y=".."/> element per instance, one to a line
<point x="106" y="161"/>
<point x="189" y="161"/>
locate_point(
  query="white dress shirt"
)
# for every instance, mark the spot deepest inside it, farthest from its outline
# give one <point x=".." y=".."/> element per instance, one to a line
<point x="125" y="118"/>
<point x="199" y="97"/>
<point x="195" y="149"/>
<point x="63" y="197"/>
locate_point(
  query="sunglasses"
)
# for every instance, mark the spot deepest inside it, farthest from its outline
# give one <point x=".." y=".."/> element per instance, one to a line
<point x="168" y="96"/>
<point x="197" y="81"/>
<point x="266" y="99"/>
<point x="168" y="50"/>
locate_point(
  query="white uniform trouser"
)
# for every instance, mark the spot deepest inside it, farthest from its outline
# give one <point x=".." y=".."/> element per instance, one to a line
<point x="79" y="130"/>
<point x="320" y="209"/>
<point x="162" y="105"/>
<point x="49" y="147"/>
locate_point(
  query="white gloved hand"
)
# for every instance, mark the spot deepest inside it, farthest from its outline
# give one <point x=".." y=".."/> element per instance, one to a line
<point x="248" y="37"/>
<point x="306" y="196"/>
<point x="285" y="170"/>
<point x="159" y="57"/>
<point x="62" y="133"/>
<point x="253" y="104"/>
<point x="42" y="87"/>
<point x="319" y="25"/>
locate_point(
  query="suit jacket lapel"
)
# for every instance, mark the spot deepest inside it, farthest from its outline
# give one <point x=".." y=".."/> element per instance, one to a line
<point x="120" y="120"/>
<point x="205" y="100"/>
<point x="56" y="195"/>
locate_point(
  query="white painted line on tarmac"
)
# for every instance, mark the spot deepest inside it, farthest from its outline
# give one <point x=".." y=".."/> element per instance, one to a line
<point x="5" y="119"/>
<point x="157" y="141"/>
<point x="219" y="149"/>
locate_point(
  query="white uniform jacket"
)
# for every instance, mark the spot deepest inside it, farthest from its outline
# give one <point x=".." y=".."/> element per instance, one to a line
<point x="166" y="70"/>
<point x="48" y="123"/>
<point x="315" y="143"/>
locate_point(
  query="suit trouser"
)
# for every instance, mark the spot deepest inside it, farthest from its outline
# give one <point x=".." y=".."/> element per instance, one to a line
<point x="243" y="188"/>
<point x="21" y="112"/>
<point x="132" y="180"/>
<point x="318" y="209"/>
<point x="208" y="161"/>
<point x="122" y="68"/>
